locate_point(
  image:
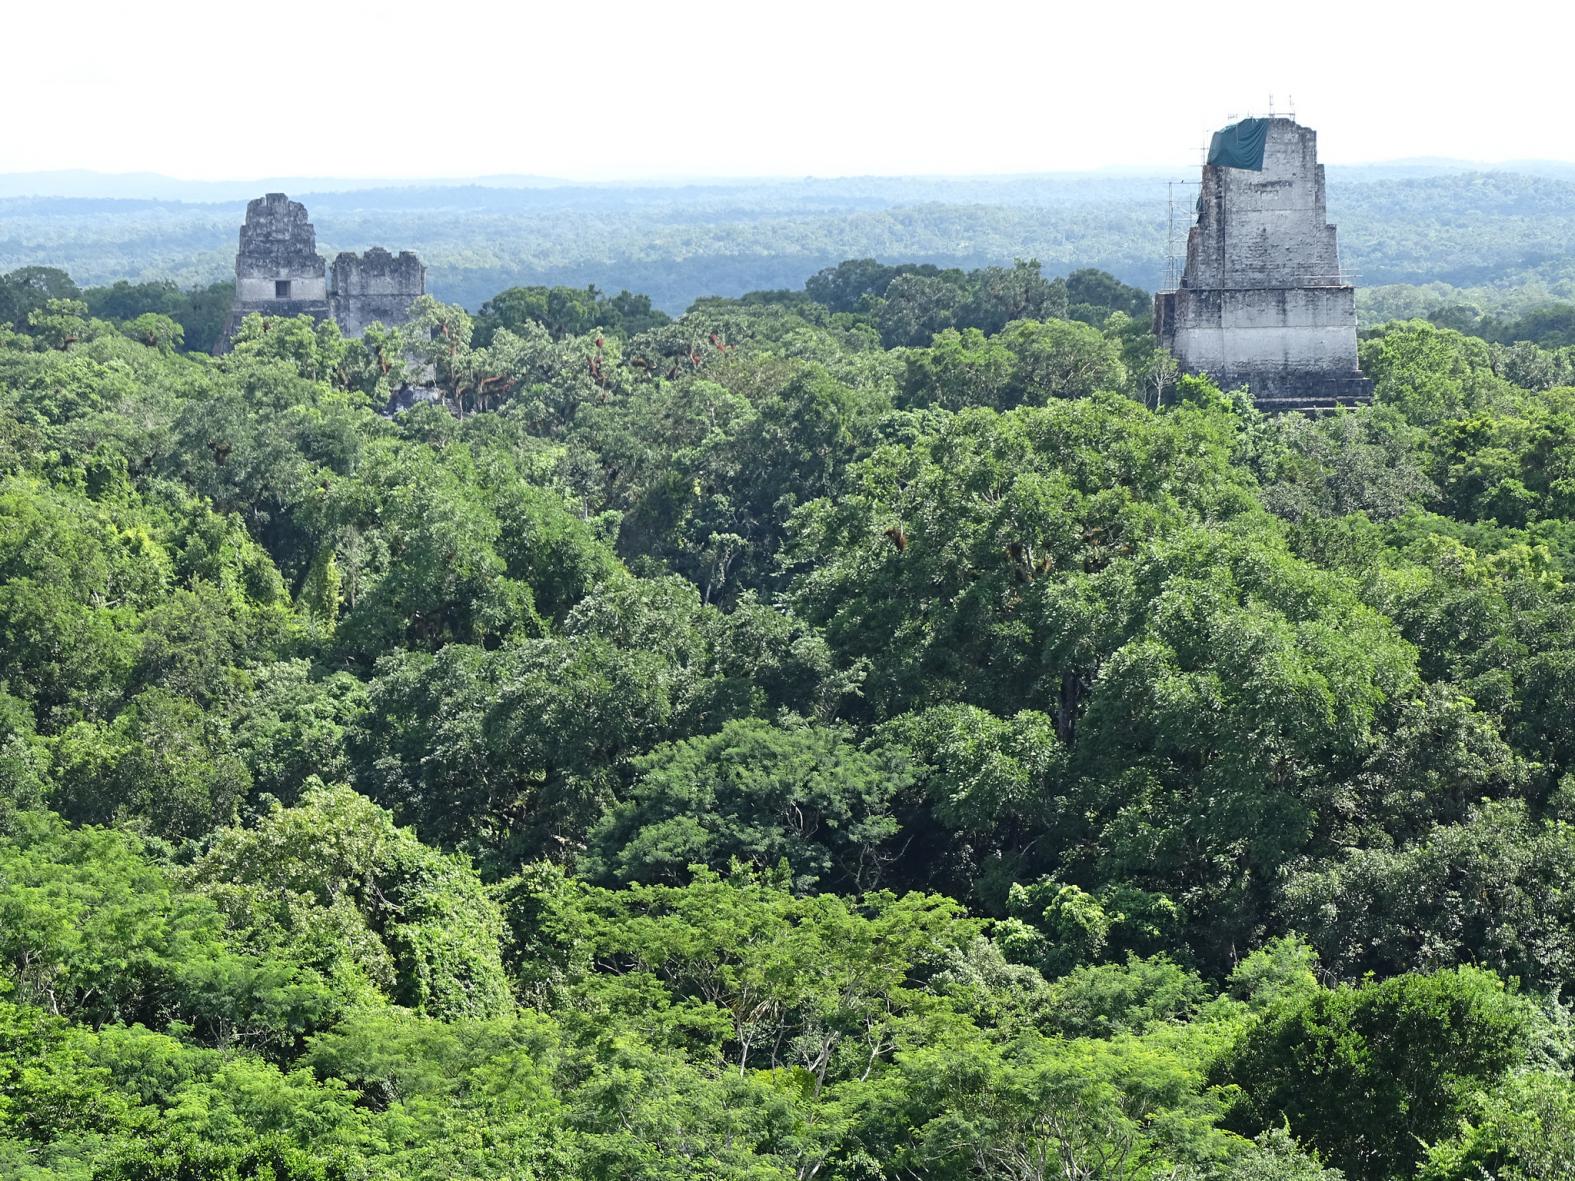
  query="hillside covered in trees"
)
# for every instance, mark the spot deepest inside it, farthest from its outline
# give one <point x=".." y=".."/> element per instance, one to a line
<point x="1418" y="236"/>
<point x="889" y="728"/>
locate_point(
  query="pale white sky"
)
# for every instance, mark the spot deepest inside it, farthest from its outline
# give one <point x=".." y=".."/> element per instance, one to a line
<point x="601" y="89"/>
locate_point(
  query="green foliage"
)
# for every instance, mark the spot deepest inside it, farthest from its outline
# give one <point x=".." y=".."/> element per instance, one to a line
<point x="1133" y="997"/>
<point x="1370" y="1075"/>
<point x="983" y="785"/>
<point x="96" y="931"/>
<point x="71" y="580"/>
<point x="172" y="317"/>
<point x="819" y="987"/>
<point x="1217" y="768"/>
<point x="524" y="748"/>
<point x="1276" y="1157"/>
<point x="567" y="311"/>
<point x="24" y="761"/>
<point x="61" y="323"/>
<point x="26" y="289"/>
<point x="162" y="762"/>
<point x="155" y="331"/>
<point x="335" y="862"/>
<point x="1282" y="968"/>
<point x="420" y="561"/>
<point x="758" y="794"/>
<point x="1492" y="890"/>
<point x="1093" y="296"/>
<point x="1121" y="1108"/>
<point x="1521" y="1129"/>
<point x="1026" y="363"/>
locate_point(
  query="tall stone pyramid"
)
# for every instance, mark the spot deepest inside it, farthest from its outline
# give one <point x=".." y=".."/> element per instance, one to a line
<point x="1263" y="302"/>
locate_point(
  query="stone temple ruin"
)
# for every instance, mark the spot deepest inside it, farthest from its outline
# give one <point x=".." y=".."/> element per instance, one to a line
<point x="278" y="272"/>
<point x="1262" y="301"/>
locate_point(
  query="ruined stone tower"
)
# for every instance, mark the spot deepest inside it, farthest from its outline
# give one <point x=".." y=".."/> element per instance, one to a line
<point x="1262" y="301"/>
<point x="375" y="286"/>
<point x="278" y="272"/>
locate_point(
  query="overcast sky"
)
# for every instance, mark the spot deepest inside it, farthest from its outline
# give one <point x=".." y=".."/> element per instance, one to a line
<point x="602" y="89"/>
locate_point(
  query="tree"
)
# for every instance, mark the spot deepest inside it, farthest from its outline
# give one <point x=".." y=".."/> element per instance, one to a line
<point x="567" y="311"/>
<point x="24" y="761"/>
<point x="155" y="331"/>
<point x="91" y="928"/>
<point x="760" y="795"/>
<point x="940" y="558"/>
<point x="1492" y="891"/>
<point x="439" y="335"/>
<point x="1019" y="292"/>
<point x="985" y="787"/>
<point x="333" y="880"/>
<point x="313" y="348"/>
<point x="72" y="580"/>
<point x="1521" y="1130"/>
<point x="960" y="369"/>
<point x="163" y="764"/>
<point x="821" y="987"/>
<point x="1059" y="359"/>
<point x="848" y="286"/>
<point x="915" y="307"/>
<point x="1093" y="295"/>
<point x="419" y="557"/>
<point x="27" y="289"/>
<point x="522" y="749"/>
<point x="1042" y="1108"/>
<point x="61" y="323"/>
<point x="1430" y="374"/>
<point x="1370" y="1075"/>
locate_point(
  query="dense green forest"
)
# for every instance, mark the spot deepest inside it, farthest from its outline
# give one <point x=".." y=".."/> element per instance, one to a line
<point x="893" y="728"/>
<point x="1416" y="237"/>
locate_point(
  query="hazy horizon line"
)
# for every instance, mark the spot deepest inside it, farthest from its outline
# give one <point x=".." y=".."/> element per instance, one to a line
<point x="517" y="179"/>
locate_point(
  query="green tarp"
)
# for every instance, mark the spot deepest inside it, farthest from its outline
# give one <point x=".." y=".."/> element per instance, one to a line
<point x="1240" y="145"/>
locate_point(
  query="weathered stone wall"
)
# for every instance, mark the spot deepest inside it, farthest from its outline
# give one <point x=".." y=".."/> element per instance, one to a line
<point x="1262" y="337"/>
<point x="263" y="289"/>
<point x="374" y="287"/>
<point x="1262" y="302"/>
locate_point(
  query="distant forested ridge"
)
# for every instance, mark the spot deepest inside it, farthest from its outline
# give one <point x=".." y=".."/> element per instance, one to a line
<point x="888" y="728"/>
<point x="1500" y="237"/>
